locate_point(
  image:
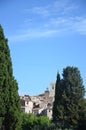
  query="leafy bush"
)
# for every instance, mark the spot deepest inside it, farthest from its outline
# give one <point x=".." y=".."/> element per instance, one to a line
<point x="43" y="121"/>
<point x="28" y="121"/>
<point x="31" y="122"/>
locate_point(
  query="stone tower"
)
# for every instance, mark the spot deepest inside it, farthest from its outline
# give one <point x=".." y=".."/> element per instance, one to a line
<point x="52" y="90"/>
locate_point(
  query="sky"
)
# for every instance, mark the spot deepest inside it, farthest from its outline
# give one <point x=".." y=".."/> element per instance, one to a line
<point x="44" y="37"/>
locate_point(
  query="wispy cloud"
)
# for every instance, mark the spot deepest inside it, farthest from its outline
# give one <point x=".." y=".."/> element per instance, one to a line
<point x="80" y="25"/>
<point x="76" y="24"/>
<point x="52" y="20"/>
<point x="55" y="27"/>
<point x="30" y="34"/>
<point x="42" y="11"/>
<point x="58" y="7"/>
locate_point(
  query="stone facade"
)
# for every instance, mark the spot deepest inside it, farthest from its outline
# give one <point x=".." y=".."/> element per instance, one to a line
<point x="26" y="104"/>
<point x="41" y="104"/>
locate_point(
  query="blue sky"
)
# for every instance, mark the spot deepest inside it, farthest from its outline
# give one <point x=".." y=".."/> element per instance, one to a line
<point x="44" y="37"/>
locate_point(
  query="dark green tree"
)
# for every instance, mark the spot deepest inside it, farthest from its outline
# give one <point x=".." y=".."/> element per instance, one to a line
<point x="70" y="96"/>
<point x="58" y="116"/>
<point x="57" y="97"/>
<point x="73" y="96"/>
<point x="9" y="98"/>
<point x="82" y="119"/>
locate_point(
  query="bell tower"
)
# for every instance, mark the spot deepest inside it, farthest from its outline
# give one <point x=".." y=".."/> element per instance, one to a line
<point x="52" y="90"/>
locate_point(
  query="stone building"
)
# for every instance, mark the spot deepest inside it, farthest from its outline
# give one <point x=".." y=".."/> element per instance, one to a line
<point x="52" y="90"/>
<point x="26" y="104"/>
<point x="41" y="104"/>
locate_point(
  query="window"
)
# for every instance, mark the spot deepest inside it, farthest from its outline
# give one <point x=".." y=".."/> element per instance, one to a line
<point x="52" y="87"/>
<point x="49" y="110"/>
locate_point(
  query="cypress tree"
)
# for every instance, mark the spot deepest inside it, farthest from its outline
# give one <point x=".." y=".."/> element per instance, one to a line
<point x="57" y="96"/>
<point x="70" y="98"/>
<point x="58" y="117"/>
<point x="9" y="98"/>
<point x="73" y="95"/>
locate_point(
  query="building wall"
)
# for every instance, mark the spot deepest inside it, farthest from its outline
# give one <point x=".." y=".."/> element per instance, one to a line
<point x="44" y="101"/>
<point x="49" y="113"/>
<point x="28" y="107"/>
<point x="52" y="90"/>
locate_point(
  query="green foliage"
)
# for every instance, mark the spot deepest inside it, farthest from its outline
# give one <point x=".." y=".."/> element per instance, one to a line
<point x="41" y="127"/>
<point x="43" y="121"/>
<point x="69" y="96"/>
<point x="30" y="121"/>
<point x="82" y="119"/>
<point x="57" y="97"/>
<point x="9" y="98"/>
<point x="46" y="127"/>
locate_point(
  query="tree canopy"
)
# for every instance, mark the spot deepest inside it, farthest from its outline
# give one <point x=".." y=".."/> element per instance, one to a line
<point x="9" y="98"/>
<point x="69" y="97"/>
